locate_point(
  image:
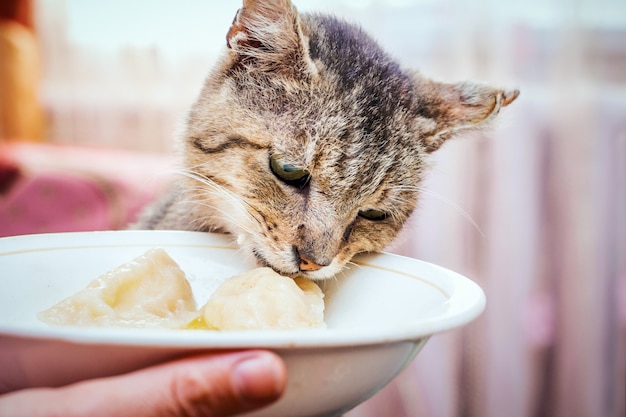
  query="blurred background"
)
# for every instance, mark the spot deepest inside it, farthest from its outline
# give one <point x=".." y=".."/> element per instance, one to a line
<point x="534" y="210"/>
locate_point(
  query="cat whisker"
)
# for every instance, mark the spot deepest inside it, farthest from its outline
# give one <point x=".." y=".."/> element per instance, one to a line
<point x="343" y="270"/>
<point x="223" y="192"/>
<point x="350" y="264"/>
<point x="212" y="187"/>
<point x="197" y="200"/>
<point x="445" y="200"/>
<point x="246" y="253"/>
<point x="226" y="215"/>
<point x="200" y="223"/>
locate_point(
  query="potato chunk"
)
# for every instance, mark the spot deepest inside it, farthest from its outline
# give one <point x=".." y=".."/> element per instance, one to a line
<point x="261" y="299"/>
<point x="149" y="291"/>
<point x="152" y="291"/>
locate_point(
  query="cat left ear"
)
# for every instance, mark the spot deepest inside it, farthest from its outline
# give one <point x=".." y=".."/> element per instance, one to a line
<point x="459" y="107"/>
<point x="268" y="34"/>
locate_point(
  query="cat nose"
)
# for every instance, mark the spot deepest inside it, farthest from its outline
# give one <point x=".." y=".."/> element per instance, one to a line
<point x="308" y="265"/>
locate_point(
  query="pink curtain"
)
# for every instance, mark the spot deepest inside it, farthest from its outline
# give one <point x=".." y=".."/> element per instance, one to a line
<point x="548" y="247"/>
<point x="541" y="225"/>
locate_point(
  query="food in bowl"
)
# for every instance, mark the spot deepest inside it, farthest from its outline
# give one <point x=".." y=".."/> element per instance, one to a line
<point x="149" y="291"/>
<point x="153" y="291"/>
<point x="263" y="299"/>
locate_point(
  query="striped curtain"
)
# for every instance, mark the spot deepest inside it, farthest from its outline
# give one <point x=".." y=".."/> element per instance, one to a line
<point x="534" y="209"/>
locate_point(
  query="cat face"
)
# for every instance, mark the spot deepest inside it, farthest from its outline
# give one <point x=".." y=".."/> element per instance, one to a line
<point x="309" y="143"/>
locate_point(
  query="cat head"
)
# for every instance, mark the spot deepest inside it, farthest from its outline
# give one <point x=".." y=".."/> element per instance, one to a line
<point x="309" y="143"/>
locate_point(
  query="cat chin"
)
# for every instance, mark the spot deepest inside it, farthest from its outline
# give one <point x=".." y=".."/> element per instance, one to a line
<point x="321" y="274"/>
<point x="326" y="272"/>
<point x="247" y="245"/>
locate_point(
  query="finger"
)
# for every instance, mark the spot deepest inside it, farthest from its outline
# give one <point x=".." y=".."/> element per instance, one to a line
<point x="209" y="386"/>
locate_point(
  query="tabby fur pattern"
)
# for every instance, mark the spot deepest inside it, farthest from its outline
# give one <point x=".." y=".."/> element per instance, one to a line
<point x="317" y="96"/>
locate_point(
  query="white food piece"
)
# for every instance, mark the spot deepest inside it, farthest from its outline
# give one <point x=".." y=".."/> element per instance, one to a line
<point x="261" y="299"/>
<point x="149" y="291"/>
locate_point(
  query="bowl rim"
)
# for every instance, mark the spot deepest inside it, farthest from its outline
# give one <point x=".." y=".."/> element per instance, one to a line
<point x="466" y="302"/>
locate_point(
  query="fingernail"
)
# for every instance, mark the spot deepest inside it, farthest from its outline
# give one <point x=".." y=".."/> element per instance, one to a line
<point x="259" y="378"/>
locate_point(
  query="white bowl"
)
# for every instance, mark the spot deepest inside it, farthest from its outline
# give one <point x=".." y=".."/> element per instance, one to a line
<point x="379" y="313"/>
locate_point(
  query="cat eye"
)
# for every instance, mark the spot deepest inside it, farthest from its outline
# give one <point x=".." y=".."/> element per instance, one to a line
<point x="289" y="174"/>
<point x="373" y="214"/>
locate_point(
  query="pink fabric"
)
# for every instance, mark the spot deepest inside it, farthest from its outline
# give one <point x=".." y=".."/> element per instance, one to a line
<point x="54" y="202"/>
<point x="48" y="188"/>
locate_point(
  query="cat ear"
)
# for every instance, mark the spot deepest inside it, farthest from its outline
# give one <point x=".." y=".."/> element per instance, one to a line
<point x="268" y="35"/>
<point x="458" y="107"/>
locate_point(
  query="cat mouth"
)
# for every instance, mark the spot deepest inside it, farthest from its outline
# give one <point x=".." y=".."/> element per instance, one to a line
<point x="262" y="261"/>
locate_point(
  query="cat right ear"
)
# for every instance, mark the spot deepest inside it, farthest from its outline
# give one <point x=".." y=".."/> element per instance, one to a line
<point x="458" y="107"/>
<point x="267" y="34"/>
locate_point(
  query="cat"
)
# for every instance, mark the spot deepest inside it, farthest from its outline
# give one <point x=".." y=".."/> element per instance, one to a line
<point x="308" y="143"/>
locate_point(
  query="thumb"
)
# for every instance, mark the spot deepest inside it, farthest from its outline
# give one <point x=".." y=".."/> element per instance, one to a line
<point x="217" y="385"/>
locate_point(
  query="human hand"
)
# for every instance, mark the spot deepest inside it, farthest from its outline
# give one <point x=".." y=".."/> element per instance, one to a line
<point x="216" y="385"/>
